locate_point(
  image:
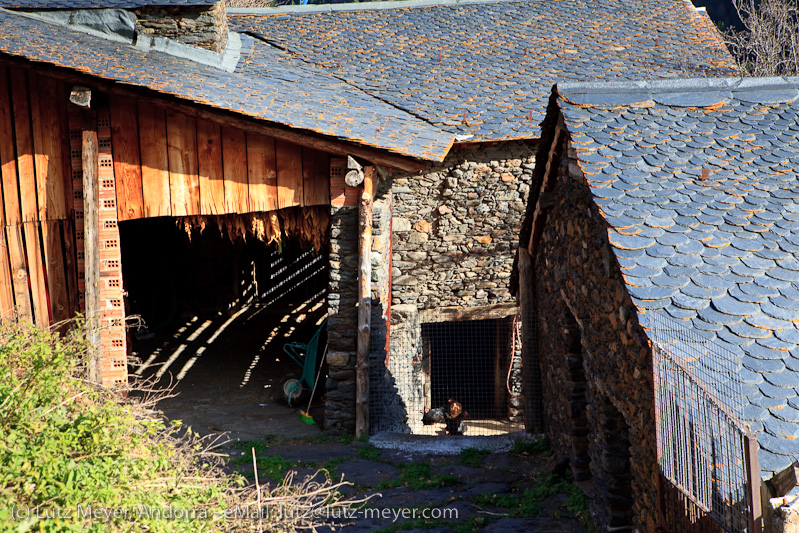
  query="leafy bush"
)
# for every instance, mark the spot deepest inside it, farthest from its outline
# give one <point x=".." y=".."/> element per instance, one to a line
<point x="70" y="451"/>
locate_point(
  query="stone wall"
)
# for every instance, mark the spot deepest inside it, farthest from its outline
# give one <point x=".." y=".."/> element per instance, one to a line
<point x="607" y="376"/>
<point x="343" y="299"/>
<point x="203" y="26"/>
<point x="456" y="225"/>
<point x="454" y="231"/>
<point x="781" y="515"/>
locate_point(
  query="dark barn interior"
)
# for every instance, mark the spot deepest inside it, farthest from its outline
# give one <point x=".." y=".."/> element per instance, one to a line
<point x="216" y="313"/>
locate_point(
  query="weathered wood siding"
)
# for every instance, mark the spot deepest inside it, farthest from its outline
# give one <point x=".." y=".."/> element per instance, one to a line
<point x="171" y="164"/>
<point x="38" y="273"/>
<point x="152" y="161"/>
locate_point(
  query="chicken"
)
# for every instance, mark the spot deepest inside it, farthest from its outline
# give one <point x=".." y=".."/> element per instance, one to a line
<point x="452" y="415"/>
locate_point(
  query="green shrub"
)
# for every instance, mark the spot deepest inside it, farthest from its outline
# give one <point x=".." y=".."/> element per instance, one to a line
<point x="67" y="446"/>
<point x="70" y="449"/>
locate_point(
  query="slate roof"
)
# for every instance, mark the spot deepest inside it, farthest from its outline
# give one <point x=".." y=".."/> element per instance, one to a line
<point x="720" y="254"/>
<point x="93" y="4"/>
<point x="276" y="91"/>
<point x="485" y="68"/>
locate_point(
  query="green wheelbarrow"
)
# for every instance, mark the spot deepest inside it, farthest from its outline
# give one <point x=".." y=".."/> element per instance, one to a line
<point x="297" y="387"/>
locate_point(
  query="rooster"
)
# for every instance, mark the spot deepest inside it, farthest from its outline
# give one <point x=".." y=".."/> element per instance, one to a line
<point x="452" y="416"/>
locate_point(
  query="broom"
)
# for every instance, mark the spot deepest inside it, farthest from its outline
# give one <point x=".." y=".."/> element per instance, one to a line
<point x="305" y="416"/>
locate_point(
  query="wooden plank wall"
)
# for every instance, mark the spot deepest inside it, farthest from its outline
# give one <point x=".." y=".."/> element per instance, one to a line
<point x="38" y="275"/>
<point x="178" y="165"/>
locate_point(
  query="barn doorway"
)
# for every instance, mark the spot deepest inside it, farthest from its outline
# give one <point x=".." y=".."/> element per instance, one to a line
<point x="214" y="304"/>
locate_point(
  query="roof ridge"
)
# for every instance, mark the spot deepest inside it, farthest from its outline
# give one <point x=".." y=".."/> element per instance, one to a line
<point x="696" y="85"/>
<point x="356" y="6"/>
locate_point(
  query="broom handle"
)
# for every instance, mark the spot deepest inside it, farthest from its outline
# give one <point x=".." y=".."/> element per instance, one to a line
<point x="318" y="373"/>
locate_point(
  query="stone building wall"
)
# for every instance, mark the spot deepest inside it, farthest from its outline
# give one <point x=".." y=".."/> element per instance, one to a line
<point x="454" y="236"/>
<point x="456" y="226"/>
<point x="203" y="26"/>
<point x="597" y="382"/>
<point x="342" y="301"/>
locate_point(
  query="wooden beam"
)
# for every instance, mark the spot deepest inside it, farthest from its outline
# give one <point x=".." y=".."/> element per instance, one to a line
<point x="19" y="272"/>
<point x="154" y="161"/>
<point x="289" y="174"/>
<point x="184" y="185"/>
<point x="127" y="159"/>
<point x="234" y="159"/>
<point x="91" y="240"/>
<point x="71" y="263"/>
<point x="48" y="140"/>
<point x="539" y="215"/>
<point x="6" y="283"/>
<point x="457" y="314"/>
<point x="209" y="155"/>
<point x="248" y="124"/>
<point x="56" y="270"/>
<point x="23" y="136"/>
<point x="8" y="157"/>
<point x="364" y="305"/>
<point x="261" y="172"/>
<point x="36" y="266"/>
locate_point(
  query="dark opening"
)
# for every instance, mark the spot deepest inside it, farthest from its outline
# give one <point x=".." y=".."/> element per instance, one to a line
<point x="217" y="313"/>
<point x="612" y="475"/>
<point x="462" y="364"/>
<point x="572" y="338"/>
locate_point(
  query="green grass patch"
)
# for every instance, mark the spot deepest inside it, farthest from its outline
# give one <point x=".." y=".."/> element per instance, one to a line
<point x="472" y="525"/>
<point x="274" y="467"/>
<point x="497" y="500"/>
<point x="530" y="503"/>
<point x="473" y="456"/>
<point x="369" y="453"/>
<point x="416" y="476"/>
<point x="67" y="444"/>
<point x="538" y="447"/>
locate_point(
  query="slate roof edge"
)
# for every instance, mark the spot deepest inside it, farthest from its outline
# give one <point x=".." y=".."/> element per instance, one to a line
<point x="107" y="82"/>
<point x="354" y="6"/>
<point x="694" y="85"/>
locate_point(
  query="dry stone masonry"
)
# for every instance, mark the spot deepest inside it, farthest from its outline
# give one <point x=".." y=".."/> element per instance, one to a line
<point x="609" y="352"/>
<point x="203" y="26"/>
<point x="342" y="301"/>
<point x="455" y="227"/>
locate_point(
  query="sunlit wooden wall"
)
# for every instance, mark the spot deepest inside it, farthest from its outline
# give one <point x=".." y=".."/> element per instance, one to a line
<point x="38" y="274"/>
<point x="152" y="162"/>
<point x="170" y="164"/>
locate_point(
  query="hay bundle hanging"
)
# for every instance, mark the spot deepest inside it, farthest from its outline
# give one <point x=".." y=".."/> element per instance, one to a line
<point x="308" y="225"/>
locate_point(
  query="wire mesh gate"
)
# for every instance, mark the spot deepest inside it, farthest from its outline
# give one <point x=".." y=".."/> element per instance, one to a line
<point x="448" y="377"/>
<point x="709" y="474"/>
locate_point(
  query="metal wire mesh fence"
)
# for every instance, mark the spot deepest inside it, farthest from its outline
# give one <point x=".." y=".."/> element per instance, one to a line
<point x="448" y="377"/>
<point x="704" y="451"/>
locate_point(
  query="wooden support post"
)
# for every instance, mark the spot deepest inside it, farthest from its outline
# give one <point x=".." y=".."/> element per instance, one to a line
<point x="91" y="240"/>
<point x="364" y="305"/>
<point x="531" y="370"/>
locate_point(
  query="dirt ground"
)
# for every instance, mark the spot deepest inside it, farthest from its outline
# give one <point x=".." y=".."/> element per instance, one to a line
<point x="226" y="370"/>
<point x="525" y="489"/>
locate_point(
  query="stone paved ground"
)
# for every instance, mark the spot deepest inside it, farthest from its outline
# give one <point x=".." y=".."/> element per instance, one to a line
<point x="488" y="492"/>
